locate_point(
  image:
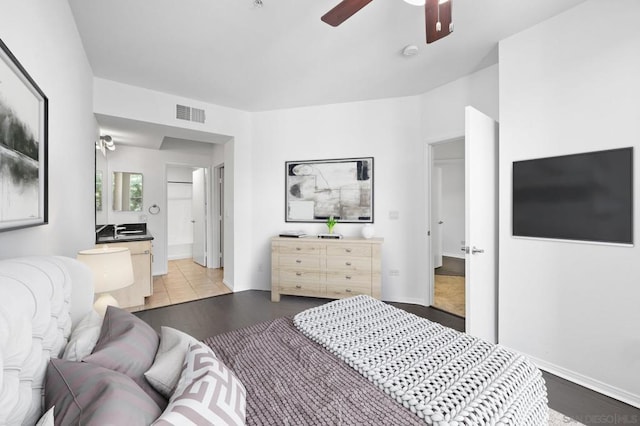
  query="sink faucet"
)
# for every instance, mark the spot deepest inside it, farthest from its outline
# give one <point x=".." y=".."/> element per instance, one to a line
<point x="117" y="228"/>
<point x="101" y="228"/>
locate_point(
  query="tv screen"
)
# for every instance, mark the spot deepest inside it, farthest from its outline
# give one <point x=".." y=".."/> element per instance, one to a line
<point x="585" y="197"/>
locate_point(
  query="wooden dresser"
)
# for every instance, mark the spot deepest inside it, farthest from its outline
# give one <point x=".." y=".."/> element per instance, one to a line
<point x="325" y="268"/>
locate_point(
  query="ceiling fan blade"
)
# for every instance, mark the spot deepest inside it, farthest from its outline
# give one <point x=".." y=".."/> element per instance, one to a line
<point x="434" y="10"/>
<point x="343" y="11"/>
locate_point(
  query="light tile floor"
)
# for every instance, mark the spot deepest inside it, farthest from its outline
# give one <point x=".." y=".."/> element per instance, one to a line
<point x="185" y="281"/>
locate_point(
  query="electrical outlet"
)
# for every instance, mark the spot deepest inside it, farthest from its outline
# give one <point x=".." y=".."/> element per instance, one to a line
<point x="394" y="273"/>
<point x="394" y="215"/>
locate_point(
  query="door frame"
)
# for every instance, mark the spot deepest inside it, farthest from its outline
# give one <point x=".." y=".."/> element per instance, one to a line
<point x="217" y="218"/>
<point x="428" y="177"/>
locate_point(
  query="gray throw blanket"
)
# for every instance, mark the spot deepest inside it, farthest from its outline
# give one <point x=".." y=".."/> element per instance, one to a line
<point x="291" y="380"/>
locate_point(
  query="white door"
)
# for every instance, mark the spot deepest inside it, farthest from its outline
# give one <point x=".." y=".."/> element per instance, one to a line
<point x="199" y="213"/>
<point x="436" y="216"/>
<point x="481" y="227"/>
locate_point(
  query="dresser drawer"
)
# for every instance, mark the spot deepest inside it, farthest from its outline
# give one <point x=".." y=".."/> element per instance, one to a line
<point x="300" y="288"/>
<point x="300" y="247"/>
<point x="347" y="263"/>
<point x="336" y="290"/>
<point x="300" y="261"/>
<point x="349" y="278"/>
<point x="349" y="250"/>
<point x="294" y="276"/>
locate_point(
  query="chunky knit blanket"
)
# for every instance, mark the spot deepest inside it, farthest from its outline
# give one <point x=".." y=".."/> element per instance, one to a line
<point x="443" y="376"/>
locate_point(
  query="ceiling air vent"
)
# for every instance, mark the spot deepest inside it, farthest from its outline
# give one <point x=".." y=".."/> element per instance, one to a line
<point x="190" y="114"/>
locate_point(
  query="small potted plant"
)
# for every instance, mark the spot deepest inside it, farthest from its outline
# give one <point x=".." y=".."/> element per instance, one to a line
<point x="331" y="222"/>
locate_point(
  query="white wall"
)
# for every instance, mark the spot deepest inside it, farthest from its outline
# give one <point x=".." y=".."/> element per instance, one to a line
<point x="566" y="87"/>
<point x="393" y="131"/>
<point x="43" y="36"/>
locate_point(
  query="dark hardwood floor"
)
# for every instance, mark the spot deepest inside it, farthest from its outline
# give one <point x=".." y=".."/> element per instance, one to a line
<point x="208" y="317"/>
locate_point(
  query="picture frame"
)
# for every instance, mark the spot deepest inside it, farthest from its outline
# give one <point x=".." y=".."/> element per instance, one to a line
<point x="24" y="111"/>
<point x="318" y="189"/>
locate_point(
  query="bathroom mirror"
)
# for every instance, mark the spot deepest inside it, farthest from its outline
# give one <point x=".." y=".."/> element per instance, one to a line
<point x="127" y="192"/>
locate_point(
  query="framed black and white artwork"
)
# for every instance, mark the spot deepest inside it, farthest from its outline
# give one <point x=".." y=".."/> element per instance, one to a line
<point x="319" y="189"/>
<point x="23" y="146"/>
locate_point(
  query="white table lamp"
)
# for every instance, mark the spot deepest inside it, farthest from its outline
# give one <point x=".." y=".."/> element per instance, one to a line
<point x="112" y="270"/>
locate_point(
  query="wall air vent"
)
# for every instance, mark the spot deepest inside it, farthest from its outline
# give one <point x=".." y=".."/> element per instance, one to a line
<point x="197" y="115"/>
<point x="183" y="112"/>
<point x="190" y="114"/>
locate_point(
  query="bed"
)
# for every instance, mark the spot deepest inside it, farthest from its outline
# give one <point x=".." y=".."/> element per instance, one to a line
<point x="351" y="361"/>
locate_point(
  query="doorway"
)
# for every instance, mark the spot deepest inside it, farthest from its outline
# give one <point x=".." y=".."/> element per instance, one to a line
<point x="186" y="213"/>
<point x="480" y="243"/>
<point x="192" y="272"/>
<point x="448" y="225"/>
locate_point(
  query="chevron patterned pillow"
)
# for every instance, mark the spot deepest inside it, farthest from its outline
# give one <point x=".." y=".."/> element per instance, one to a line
<point x="208" y="393"/>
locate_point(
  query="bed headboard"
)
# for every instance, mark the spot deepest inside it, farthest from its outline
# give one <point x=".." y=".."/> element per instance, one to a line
<point x="41" y="297"/>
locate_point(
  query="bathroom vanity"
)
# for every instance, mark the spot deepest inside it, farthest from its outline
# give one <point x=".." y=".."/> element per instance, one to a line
<point x="138" y="240"/>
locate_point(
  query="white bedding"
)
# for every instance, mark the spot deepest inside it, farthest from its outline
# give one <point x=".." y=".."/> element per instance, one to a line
<point x="444" y="376"/>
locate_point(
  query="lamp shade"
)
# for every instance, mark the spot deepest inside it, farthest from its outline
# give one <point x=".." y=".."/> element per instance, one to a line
<point x="111" y="267"/>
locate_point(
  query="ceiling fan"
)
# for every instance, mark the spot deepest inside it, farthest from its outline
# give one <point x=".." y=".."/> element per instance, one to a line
<point x="437" y="15"/>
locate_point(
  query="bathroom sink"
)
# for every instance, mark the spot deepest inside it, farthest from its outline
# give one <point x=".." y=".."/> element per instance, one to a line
<point x="125" y="233"/>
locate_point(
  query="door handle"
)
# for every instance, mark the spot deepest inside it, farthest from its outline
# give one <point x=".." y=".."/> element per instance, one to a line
<point x="464" y="249"/>
<point x="475" y="250"/>
<point x="440" y="222"/>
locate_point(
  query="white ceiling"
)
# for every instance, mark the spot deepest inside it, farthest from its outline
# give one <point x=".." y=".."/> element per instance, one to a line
<point x="227" y="52"/>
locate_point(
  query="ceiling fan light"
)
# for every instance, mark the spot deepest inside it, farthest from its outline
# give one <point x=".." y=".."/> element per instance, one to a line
<point x="416" y="2"/>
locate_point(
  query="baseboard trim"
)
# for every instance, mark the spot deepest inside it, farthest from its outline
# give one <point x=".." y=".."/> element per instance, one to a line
<point x="588" y="382"/>
<point x="179" y="256"/>
<point x="228" y="284"/>
<point x="410" y="300"/>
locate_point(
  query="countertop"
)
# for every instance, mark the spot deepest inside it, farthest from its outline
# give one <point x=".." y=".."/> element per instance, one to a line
<point x="132" y="232"/>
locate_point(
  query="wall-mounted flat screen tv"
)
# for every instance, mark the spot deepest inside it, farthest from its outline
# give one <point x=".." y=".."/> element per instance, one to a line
<point x="584" y="197"/>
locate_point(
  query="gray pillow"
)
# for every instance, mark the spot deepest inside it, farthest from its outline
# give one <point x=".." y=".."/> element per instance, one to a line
<point x="127" y="345"/>
<point x="84" y="394"/>
<point x="167" y="366"/>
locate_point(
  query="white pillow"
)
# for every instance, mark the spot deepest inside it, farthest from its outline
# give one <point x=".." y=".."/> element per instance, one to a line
<point x="47" y="418"/>
<point x="84" y="337"/>
<point x="208" y="393"/>
<point x="167" y="365"/>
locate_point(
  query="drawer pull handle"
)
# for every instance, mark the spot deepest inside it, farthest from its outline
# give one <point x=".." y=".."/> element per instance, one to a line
<point x="347" y="250"/>
<point x="348" y="263"/>
<point x="298" y="274"/>
<point x="298" y="248"/>
<point x="298" y="261"/>
<point x="298" y="286"/>
<point x="348" y="277"/>
<point x="348" y="290"/>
